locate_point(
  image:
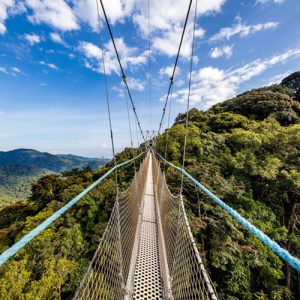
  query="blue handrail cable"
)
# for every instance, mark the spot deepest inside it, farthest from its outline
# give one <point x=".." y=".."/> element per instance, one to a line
<point x="283" y="253"/>
<point x="6" y="255"/>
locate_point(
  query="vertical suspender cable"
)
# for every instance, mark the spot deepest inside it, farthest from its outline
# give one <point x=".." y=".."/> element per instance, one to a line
<point x="167" y="133"/>
<point x="137" y="134"/>
<point x="107" y="97"/>
<point x="129" y="120"/>
<point x="129" y="125"/>
<point x="189" y="94"/>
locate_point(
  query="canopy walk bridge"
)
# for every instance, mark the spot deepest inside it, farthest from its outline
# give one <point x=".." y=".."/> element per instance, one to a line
<point x="147" y="250"/>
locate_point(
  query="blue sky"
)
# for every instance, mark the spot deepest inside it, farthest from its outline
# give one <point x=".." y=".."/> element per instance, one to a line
<point x="51" y="81"/>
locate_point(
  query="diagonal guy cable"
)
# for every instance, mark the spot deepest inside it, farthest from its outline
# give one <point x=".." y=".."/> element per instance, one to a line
<point x="175" y="65"/>
<point x="122" y="69"/>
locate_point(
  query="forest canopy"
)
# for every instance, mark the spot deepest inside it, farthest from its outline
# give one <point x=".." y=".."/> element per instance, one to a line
<point x="246" y="150"/>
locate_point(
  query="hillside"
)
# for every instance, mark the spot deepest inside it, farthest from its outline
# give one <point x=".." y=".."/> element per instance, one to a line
<point x="246" y="150"/>
<point x="20" y="167"/>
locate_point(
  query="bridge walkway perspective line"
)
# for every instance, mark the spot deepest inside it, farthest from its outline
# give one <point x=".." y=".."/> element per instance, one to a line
<point x="147" y="250"/>
<point x="147" y="276"/>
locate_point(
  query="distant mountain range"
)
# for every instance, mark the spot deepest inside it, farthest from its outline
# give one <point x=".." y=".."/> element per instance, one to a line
<point x="20" y="167"/>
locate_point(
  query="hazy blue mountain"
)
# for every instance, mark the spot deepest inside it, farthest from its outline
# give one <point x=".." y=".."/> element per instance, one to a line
<point x="20" y="167"/>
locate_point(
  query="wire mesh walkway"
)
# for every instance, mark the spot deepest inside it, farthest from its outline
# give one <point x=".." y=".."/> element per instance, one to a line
<point x="147" y="250"/>
<point x="147" y="278"/>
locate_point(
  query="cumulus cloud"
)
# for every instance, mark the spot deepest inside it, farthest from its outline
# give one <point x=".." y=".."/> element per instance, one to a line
<point x="167" y="23"/>
<point x="225" y="50"/>
<point x="135" y="84"/>
<point x="18" y="8"/>
<point x="56" y="13"/>
<point x="117" y="10"/>
<point x="167" y="71"/>
<point x="4" y="6"/>
<point x="169" y="14"/>
<point x="242" y="30"/>
<point x="212" y="85"/>
<point x="166" y="13"/>
<point x="168" y="42"/>
<point x="32" y="38"/>
<point x="129" y="56"/>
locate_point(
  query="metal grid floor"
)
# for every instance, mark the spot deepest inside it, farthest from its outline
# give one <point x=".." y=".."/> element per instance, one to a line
<point x="147" y="278"/>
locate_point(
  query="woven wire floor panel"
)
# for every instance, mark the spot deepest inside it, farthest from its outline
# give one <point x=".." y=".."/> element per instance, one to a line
<point x="147" y="277"/>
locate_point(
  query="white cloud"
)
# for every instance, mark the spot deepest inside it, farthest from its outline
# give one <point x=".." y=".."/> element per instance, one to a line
<point x="265" y="1"/>
<point x="167" y="71"/>
<point x="167" y="23"/>
<point x="3" y="70"/>
<point x="117" y="10"/>
<point x="168" y="15"/>
<point x="168" y="42"/>
<point x="277" y="78"/>
<point x="135" y="84"/>
<point x="56" y="13"/>
<point x="242" y="30"/>
<point x="10" y="71"/>
<point x="119" y="90"/>
<point x="212" y="85"/>
<point x="129" y="56"/>
<point x="16" y="70"/>
<point x="72" y="56"/>
<point x="90" y="50"/>
<point x="18" y="8"/>
<point x="50" y="65"/>
<point x="225" y="50"/>
<point x="4" y="6"/>
<point x="32" y="38"/>
<point x="55" y="37"/>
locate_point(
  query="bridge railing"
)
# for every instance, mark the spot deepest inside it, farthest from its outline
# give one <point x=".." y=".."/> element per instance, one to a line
<point x="187" y="275"/>
<point x="108" y="271"/>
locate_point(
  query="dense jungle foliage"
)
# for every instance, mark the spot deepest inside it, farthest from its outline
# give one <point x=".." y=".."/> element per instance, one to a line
<point x="246" y="150"/>
<point x="52" y="265"/>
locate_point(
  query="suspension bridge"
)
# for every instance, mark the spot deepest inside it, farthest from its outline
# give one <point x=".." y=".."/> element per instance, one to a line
<point x="147" y="250"/>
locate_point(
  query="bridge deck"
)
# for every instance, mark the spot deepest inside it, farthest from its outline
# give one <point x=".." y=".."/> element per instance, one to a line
<point x="147" y="277"/>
